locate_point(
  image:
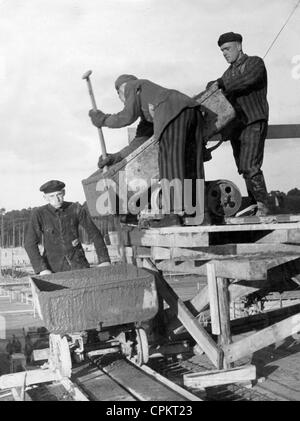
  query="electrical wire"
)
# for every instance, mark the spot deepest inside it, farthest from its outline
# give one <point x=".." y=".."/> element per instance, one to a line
<point x="282" y="28"/>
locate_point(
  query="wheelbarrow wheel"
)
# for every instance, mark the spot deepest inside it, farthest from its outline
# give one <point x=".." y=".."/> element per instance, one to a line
<point x="60" y="357"/>
<point x="142" y="347"/>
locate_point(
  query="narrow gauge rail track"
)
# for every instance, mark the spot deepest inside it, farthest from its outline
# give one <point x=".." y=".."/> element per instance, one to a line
<point x="114" y="380"/>
<point x="122" y="380"/>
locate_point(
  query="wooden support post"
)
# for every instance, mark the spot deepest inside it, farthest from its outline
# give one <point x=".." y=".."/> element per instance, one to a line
<point x="213" y="299"/>
<point x="184" y="315"/>
<point x="224" y="309"/>
<point x="263" y="338"/>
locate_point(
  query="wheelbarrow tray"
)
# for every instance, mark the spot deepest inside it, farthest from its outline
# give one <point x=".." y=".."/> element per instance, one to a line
<point x="97" y="297"/>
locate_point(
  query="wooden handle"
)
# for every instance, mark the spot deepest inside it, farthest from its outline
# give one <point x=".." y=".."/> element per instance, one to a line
<point x="101" y="137"/>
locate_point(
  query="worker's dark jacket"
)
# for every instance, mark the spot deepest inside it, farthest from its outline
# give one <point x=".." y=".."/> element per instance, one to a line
<point x="245" y="83"/>
<point x="152" y="103"/>
<point x="59" y="228"/>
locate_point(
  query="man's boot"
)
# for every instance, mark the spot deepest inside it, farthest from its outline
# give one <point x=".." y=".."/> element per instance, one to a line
<point x="249" y="205"/>
<point x="260" y="194"/>
<point x="262" y="209"/>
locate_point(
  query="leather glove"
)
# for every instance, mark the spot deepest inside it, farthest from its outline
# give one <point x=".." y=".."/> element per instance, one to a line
<point x="97" y="117"/>
<point x="221" y="84"/>
<point x="111" y="159"/>
<point x="45" y="272"/>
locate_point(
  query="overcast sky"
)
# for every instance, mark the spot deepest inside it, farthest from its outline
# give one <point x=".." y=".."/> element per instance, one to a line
<point x="47" y="45"/>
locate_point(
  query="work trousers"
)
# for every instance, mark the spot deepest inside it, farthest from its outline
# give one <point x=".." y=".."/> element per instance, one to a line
<point x="248" y="144"/>
<point x="181" y="155"/>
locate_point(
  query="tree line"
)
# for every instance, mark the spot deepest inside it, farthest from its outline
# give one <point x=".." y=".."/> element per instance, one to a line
<point x="14" y="224"/>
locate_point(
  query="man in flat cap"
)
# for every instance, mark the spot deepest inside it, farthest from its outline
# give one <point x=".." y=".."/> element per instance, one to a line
<point x="58" y="223"/>
<point x="245" y="86"/>
<point x="176" y="121"/>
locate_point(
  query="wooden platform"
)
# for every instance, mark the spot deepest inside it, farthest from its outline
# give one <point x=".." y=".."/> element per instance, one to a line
<point x="207" y="235"/>
<point x="237" y="260"/>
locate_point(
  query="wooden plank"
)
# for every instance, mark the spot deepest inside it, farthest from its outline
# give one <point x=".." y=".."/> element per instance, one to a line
<point x="139" y="384"/>
<point x="200" y="301"/>
<point x="197" y="236"/>
<point x="294" y="236"/>
<point x="251" y="268"/>
<point x="284" y="270"/>
<point x="27" y="378"/>
<point x="18" y="393"/>
<point x="219" y="228"/>
<point x="142" y="252"/>
<point x="285" y="295"/>
<point x="262" y="320"/>
<point x="214" y="251"/>
<point x="114" y="249"/>
<point x="296" y="279"/>
<point x="263" y="219"/>
<point x="188" y="395"/>
<point x="99" y="386"/>
<point x="4" y="395"/>
<point x="73" y="390"/>
<point x="185" y="316"/>
<point x="273" y="237"/>
<point x="263" y="338"/>
<point x="213" y="299"/>
<point x="220" y="377"/>
<point x="152" y="238"/>
<point x="224" y="311"/>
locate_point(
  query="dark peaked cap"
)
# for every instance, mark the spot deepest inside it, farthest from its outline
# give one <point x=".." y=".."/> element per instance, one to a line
<point x="122" y="79"/>
<point x="52" y="186"/>
<point x="229" y="37"/>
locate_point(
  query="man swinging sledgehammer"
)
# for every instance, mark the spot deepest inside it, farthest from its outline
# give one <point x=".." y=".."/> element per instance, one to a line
<point x="177" y="124"/>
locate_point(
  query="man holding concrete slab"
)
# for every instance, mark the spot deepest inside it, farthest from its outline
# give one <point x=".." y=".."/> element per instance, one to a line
<point x="245" y="85"/>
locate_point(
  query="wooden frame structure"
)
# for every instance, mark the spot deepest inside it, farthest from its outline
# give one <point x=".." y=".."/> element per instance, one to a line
<point x="236" y="259"/>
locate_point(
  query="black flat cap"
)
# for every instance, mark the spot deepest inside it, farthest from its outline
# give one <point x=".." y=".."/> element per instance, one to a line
<point x="52" y="186"/>
<point x="229" y="37"/>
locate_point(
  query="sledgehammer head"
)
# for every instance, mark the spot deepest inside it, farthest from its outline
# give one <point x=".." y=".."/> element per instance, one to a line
<point x="87" y="74"/>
